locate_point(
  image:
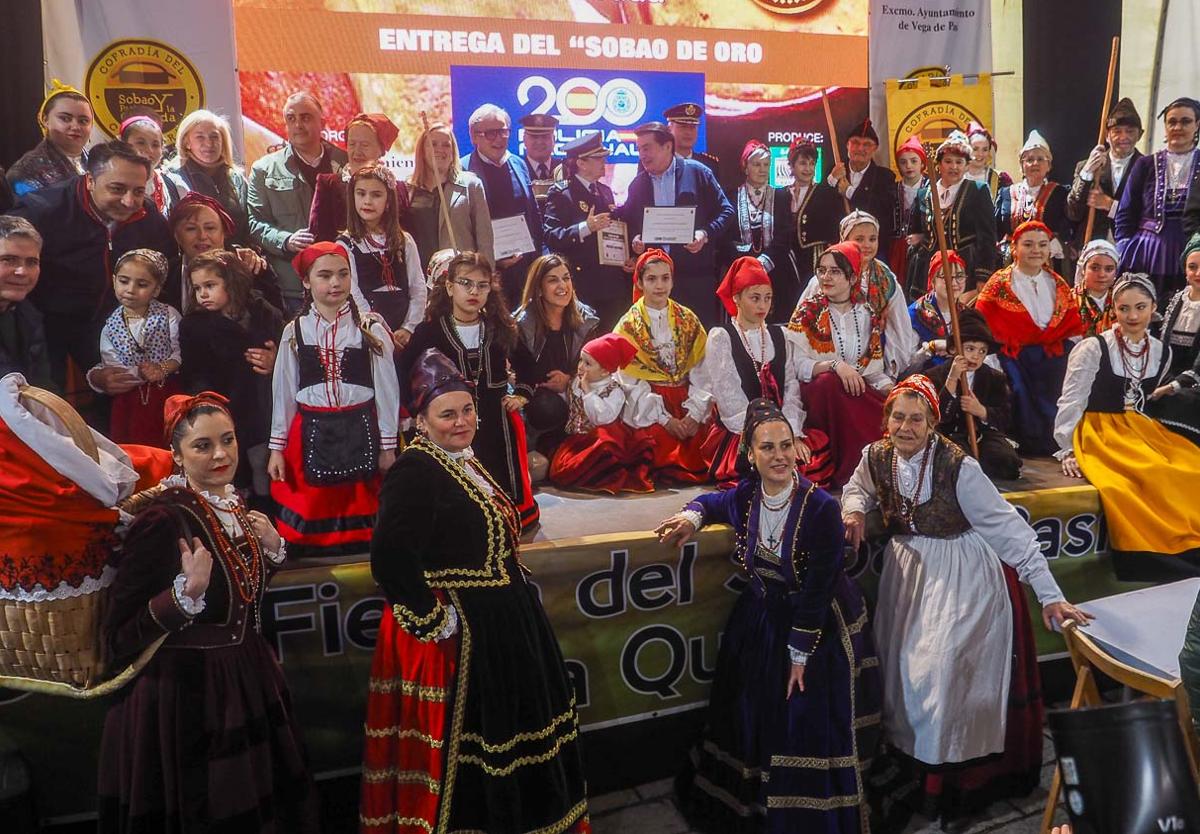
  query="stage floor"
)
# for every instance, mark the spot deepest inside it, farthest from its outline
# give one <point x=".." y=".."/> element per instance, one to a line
<point x="570" y="515"/>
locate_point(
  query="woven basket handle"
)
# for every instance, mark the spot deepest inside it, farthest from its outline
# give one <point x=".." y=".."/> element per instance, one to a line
<point x="80" y="433"/>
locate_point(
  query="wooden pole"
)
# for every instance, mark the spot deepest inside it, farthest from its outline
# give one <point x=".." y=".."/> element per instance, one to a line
<point x="833" y="140"/>
<point x="948" y="277"/>
<point x="441" y="190"/>
<point x="1108" y="91"/>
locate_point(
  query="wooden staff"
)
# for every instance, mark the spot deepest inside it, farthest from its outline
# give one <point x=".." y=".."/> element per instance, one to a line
<point x="837" y="156"/>
<point x="948" y="277"/>
<point x="441" y="191"/>
<point x="1108" y="91"/>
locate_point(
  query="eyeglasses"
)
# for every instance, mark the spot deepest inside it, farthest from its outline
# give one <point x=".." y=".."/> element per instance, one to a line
<point x="831" y="271"/>
<point x="493" y="133"/>
<point x="470" y="286"/>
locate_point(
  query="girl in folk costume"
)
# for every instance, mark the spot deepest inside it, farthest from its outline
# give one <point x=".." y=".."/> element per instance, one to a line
<point x="1094" y="276"/>
<point x="762" y="214"/>
<point x="65" y="119"/>
<point x="336" y="403"/>
<point x="228" y="341"/>
<point x="930" y="314"/>
<point x="369" y="136"/>
<point x="1032" y="313"/>
<point x="670" y="342"/>
<point x="385" y="267"/>
<point x="814" y="211"/>
<point x="794" y="712"/>
<point x="205" y="738"/>
<point x="839" y="356"/>
<point x="601" y="453"/>
<point x="471" y="722"/>
<point x="979" y="167"/>
<point x="910" y="162"/>
<point x="1034" y="198"/>
<point x="968" y="214"/>
<point x="1176" y="404"/>
<point x="879" y="287"/>
<point x="141" y="335"/>
<point x="1148" y="226"/>
<point x="745" y="360"/>
<point x="962" y="704"/>
<point x="469" y="323"/>
<point x="143" y="132"/>
<point x="1104" y="435"/>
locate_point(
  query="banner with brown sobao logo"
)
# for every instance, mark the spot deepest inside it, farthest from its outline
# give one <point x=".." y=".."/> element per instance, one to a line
<point x="930" y="108"/>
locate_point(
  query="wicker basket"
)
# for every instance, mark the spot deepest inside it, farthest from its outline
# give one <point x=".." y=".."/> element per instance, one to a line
<point x="55" y="646"/>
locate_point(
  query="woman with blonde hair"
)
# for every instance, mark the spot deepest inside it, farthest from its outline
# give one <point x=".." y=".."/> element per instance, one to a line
<point x="205" y="165"/>
<point x="466" y="223"/>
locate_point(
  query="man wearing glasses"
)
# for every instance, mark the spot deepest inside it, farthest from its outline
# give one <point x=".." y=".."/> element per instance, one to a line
<point x="508" y="189"/>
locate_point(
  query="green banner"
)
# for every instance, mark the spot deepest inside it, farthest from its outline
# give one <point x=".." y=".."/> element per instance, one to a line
<point x="639" y="626"/>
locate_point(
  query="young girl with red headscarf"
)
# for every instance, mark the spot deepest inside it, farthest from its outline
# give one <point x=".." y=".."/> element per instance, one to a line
<point x="336" y="404"/>
<point x="670" y="341"/>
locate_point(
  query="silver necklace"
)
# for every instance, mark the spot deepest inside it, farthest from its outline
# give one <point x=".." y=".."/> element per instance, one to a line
<point x="774" y="504"/>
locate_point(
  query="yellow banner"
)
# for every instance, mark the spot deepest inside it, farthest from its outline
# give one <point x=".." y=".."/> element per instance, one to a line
<point x="932" y="108"/>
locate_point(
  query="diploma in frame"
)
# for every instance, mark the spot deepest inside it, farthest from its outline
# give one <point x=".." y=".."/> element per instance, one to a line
<point x="613" y="244"/>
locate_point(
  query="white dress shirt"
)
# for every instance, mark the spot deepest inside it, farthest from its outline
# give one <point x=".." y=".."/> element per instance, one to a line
<point x="1037" y="293"/>
<point x="415" y="276"/>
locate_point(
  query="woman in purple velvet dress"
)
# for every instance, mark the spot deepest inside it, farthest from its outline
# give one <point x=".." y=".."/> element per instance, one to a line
<point x="794" y="711"/>
<point x="1149" y="222"/>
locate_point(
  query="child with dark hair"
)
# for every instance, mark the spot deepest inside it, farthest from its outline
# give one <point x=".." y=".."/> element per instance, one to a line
<point x="468" y="321"/>
<point x="228" y="342"/>
<point x="336" y="404"/>
<point x="142" y="336"/>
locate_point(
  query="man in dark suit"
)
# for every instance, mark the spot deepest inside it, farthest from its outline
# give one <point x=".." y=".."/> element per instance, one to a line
<point x="538" y="135"/>
<point x="22" y="336"/>
<point x="684" y="122"/>
<point x="868" y="187"/>
<point x="1099" y="180"/>
<point x="667" y="180"/>
<point x="577" y="208"/>
<point x="508" y="189"/>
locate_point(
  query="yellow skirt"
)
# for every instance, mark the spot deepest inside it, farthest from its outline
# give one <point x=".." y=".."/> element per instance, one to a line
<point x="1148" y="478"/>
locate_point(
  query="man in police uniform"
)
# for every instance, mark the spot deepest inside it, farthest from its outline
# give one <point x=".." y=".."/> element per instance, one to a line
<point x="577" y="208"/>
<point x="538" y="134"/>
<point x="684" y="121"/>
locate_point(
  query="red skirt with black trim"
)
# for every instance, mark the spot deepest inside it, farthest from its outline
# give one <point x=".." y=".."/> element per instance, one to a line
<point x="613" y="458"/>
<point x="527" y="506"/>
<point x="408" y="709"/>
<point x="323" y="519"/>
<point x="721" y="447"/>
<point x="678" y="461"/>
<point x="850" y="423"/>
<point x="132" y="421"/>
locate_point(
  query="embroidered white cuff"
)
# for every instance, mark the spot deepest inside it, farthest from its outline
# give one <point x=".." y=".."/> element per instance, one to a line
<point x="186" y="604"/>
<point x="451" y="626"/>
<point x="799" y="658"/>
<point x="280" y="556"/>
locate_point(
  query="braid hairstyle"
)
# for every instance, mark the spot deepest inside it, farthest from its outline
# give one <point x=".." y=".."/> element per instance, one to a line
<point x="370" y="339"/>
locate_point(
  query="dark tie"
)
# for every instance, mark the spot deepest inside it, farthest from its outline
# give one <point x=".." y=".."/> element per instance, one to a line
<point x="542" y="174"/>
<point x="595" y="189"/>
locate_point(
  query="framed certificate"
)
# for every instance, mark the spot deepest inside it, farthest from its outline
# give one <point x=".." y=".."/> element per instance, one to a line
<point x="669" y="224"/>
<point x="613" y="243"/>
<point x="510" y="236"/>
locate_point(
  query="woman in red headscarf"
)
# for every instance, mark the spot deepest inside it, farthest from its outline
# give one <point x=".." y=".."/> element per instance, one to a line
<point x="368" y="137"/>
<point x="601" y="453"/>
<point x="763" y="216"/>
<point x="839" y="359"/>
<point x="962" y="710"/>
<point x="930" y="314"/>
<point x="1033" y="314"/>
<point x="746" y="359"/>
<point x="205" y="736"/>
<point x="670" y="343"/>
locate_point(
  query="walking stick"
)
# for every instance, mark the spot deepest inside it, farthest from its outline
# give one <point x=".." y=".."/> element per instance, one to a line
<point x="948" y="277"/>
<point x="837" y="156"/>
<point x="441" y="191"/>
<point x="1108" y="91"/>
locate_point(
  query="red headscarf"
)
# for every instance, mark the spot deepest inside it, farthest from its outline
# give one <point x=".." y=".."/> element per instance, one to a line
<point x="612" y="350"/>
<point x="179" y="406"/>
<point x="194" y="198"/>
<point x="913" y="145"/>
<point x="1031" y="226"/>
<point x="304" y="259"/>
<point x="744" y="272"/>
<point x="935" y="266"/>
<point x="645" y="258"/>
<point x="752" y="147"/>
<point x="853" y="254"/>
<point x="385" y="131"/>
<point x="976" y="129"/>
<point x="923" y="387"/>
